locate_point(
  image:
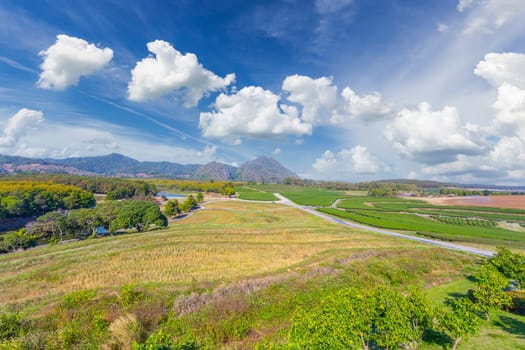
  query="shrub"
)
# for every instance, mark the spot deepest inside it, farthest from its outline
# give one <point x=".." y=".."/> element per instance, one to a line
<point x="75" y="299"/>
<point x="125" y="331"/>
<point x="10" y="325"/>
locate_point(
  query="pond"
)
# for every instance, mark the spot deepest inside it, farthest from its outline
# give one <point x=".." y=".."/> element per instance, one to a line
<point x="170" y="195"/>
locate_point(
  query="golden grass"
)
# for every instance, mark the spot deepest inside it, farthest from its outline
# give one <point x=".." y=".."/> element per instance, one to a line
<point x="227" y="241"/>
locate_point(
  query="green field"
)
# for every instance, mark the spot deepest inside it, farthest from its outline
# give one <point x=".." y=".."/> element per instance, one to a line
<point x="248" y="193"/>
<point x="453" y="223"/>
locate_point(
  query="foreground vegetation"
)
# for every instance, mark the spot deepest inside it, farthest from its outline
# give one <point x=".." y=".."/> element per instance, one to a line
<point x="233" y="276"/>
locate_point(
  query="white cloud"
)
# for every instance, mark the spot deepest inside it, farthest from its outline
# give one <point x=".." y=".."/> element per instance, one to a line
<point x="347" y="163"/>
<point x="277" y="151"/>
<point x="318" y="97"/>
<point x="252" y="112"/>
<point x="89" y="138"/>
<point x="431" y="136"/>
<point x="499" y="68"/>
<point x="171" y="71"/>
<point x="510" y="108"/>
<point x="18" y="125"/>
<point x="321" y="103"/>
<point x="367" y="107"/>
<point x="442" y="27"/>
<point x="69" y="59"/>
<point x="490" y="15"/>
<point x="464" y="4"/>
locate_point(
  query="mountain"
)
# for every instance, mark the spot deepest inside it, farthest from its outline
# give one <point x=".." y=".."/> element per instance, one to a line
<point x="216" y="171"/>
<point x="264" y="169"/>
<point x="261" y="169"/>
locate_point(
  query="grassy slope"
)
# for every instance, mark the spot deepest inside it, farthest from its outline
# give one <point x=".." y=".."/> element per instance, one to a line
<point x="227" y="243"/>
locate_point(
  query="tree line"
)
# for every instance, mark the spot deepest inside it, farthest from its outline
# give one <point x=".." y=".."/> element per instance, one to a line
<point x="30" y="198"/>
<point x="222" y="187"/>
<point x="114" y="188"/>
<point x="55" y="226"/>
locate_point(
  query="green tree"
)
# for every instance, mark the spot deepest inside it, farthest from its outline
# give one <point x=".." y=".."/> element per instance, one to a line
<point x="511" y="265"/>
<point x="458" y="320"/>
<point x="189" y="203"/>
<point x="138" y="214"/>
<point x="489" y="293"/>
<point x="228" y="191"/>
<point x="200" y="197"/>
<point x="172" y="207"/>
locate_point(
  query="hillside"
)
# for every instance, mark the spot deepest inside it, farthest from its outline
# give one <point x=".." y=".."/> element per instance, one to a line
<point x="216" y="171"/>
<point x="262" y="169"/>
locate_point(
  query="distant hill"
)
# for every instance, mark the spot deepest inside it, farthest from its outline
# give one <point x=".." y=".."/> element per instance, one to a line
<point x="264" y="169"/>
<point x="261" y="169"/>
<point x="418" y="183"/>
<point x="216" y="171"/>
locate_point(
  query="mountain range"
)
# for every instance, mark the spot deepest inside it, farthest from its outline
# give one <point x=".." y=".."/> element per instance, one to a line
<point x="262" y="169"/>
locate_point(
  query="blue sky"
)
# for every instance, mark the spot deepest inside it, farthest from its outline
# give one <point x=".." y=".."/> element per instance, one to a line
<point x="334" y="89"/>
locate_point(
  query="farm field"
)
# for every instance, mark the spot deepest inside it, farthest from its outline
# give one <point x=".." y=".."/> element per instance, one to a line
<point x="249" y="193"/>
<point x="511" y="202"/>
<point x="227" y="277"/>
<point x="479" y="225"/>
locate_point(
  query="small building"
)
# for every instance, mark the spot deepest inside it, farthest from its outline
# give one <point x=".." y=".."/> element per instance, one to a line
<point x="101" y="231"/>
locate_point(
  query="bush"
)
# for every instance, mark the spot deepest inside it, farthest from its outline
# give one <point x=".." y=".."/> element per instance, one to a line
<point x="10" y="325"/>
<point x="518" y="301"/>
<point x="75" y="299"/>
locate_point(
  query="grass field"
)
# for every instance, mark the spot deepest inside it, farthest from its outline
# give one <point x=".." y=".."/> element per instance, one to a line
<point x="479" y="225"/>
<point x="248" y="193"/>
<point x="227" y="277"/>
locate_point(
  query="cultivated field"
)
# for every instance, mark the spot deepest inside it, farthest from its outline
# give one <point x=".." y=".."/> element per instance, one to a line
<point x="511" y="202"/>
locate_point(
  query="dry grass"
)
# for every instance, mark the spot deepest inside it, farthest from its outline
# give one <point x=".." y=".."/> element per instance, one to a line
<point x="226" y="242"/>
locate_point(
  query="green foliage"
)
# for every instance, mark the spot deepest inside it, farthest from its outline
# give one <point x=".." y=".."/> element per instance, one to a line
<point x="139" y="215"/>
<point x="10" y="325"/>
<point x="24" y="198"/>
<point x="200" y="197"/>
<point x="172" y="207"/>
<point x="117" y="188"/>
<point x="74" y="299"/>
<point x="188" y="204"/>
<point x="161" y="341"/>
<point x="355" y="319"/>
<point x="21" y="239"/>
<point x="458" y="320"/>
<point x="511" y="265"/>
<point x="489" y="293"/>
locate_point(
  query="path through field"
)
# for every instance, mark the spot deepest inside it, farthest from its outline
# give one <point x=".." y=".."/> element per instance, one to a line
<point x="286" y="201"/>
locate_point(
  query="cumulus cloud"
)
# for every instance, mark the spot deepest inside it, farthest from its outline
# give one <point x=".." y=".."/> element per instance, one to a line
<point x="252" y="112"/>
<point x="318" y="97"/>
<point x="347" y="162"/>
<point x="367" y="107"/>
<point x="321" y="103"/>
<point x="431" y="136"/>
<point x="69" y="59"/>
<point x="18" y="125"/>
<point x="171" y="71"/>
<point x="490" y="15"/>
<point x="277" y="151"/>
<point x="499" y="68"/>
<point x="510" y="108"/>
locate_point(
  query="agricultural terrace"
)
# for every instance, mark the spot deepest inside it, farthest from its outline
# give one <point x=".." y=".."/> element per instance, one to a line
<point x="478" y="225"/>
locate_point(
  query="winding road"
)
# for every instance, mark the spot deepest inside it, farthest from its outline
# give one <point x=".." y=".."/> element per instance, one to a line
<point x="286" y="201"/>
